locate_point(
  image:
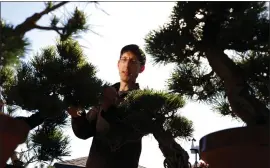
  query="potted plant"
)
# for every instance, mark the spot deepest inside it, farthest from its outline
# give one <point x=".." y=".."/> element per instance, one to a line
<point x="221" y="54"/>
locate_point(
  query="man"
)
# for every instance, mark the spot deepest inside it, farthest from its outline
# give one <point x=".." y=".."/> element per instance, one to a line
<point x="130" y="65"/>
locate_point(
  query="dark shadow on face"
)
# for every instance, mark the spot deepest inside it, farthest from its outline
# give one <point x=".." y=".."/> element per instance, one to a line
<point x="129" y="67"/>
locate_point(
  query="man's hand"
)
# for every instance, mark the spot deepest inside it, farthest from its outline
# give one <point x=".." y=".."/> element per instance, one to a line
<point x="92" y="114"/>
<point x="74" y="111"/>
<point x="109" y="98"/>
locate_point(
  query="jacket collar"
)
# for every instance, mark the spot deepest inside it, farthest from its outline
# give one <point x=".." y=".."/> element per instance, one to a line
<point x="117" y="86"/>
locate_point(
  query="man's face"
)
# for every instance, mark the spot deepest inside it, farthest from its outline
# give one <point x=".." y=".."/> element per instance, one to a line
<point x="129" y="67"/>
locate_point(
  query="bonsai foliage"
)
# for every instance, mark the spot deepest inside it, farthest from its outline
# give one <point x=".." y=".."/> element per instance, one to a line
<point x="15" y="45"/>
<point x="197" y="39"/>
<point x="49" y="144"/>
<point x="148" y="111"/>
<point x="12" y="49"/>
<point x="55" y="79"/>
<point x="32" y="85"/>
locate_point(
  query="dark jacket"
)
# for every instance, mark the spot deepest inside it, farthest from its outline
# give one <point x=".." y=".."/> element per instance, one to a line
<point x="101" y="156"/>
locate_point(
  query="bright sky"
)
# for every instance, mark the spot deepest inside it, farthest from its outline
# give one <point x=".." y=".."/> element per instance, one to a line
<point x="127" y="22"/>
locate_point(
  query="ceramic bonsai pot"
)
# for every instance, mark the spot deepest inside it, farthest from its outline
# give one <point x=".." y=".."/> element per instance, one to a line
<point x="242" y="147"/>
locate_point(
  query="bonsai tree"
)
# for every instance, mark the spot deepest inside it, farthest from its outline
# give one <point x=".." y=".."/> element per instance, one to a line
<point x="54" y="80"/>
<point x="30" y="85"/>
<point x="199" y="39"/>
<point x="59" y="77"/>
<point x="148" y="111"/>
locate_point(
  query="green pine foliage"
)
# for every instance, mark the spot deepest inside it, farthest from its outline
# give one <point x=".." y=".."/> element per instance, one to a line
<point x="144" y="111"/>
<point x="196" y="38"/>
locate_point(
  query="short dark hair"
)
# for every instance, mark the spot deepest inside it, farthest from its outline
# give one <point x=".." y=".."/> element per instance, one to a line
<point x="135" y="49"/>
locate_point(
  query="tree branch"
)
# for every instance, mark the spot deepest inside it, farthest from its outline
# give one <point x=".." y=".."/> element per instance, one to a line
<point x="95" y="33"/>
<point x="207" y="76"/>
<point x="175" y="155"/>
<point x="30" y="22"/>
<point x="50" y="28"/>
<point x="32" y="160"/>
<point x="251" y="110"/>
<point x="26" y="150"/>
<point x="48" y="10"/>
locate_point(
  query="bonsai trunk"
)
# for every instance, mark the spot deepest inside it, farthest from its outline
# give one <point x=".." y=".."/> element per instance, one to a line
<point x="243" y="104"/>
<point x="175" y="155"/>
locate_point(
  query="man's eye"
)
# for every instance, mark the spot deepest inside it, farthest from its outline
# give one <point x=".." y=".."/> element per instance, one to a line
<point x="130" y="60"/>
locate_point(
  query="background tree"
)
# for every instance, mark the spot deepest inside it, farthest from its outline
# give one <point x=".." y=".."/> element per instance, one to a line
<point x="198" y="39"/>
<point x="23" y="83"/>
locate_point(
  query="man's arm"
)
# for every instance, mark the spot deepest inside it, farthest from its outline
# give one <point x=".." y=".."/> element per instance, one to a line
<point x="84" y="127"/>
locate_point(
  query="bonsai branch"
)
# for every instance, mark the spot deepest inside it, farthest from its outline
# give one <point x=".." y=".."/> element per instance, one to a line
<point x="50" y="28"/>
<point x="175" y="155"/>
<point x="30" y="22"/>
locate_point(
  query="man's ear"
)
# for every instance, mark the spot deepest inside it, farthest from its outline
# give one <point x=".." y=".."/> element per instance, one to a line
<point x="142" y="69"/>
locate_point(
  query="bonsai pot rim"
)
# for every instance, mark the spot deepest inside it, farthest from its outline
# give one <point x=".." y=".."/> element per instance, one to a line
<point x="239" y="136"/>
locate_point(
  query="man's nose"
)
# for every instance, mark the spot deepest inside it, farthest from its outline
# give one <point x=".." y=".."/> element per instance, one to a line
<point x="128" y="63"/>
